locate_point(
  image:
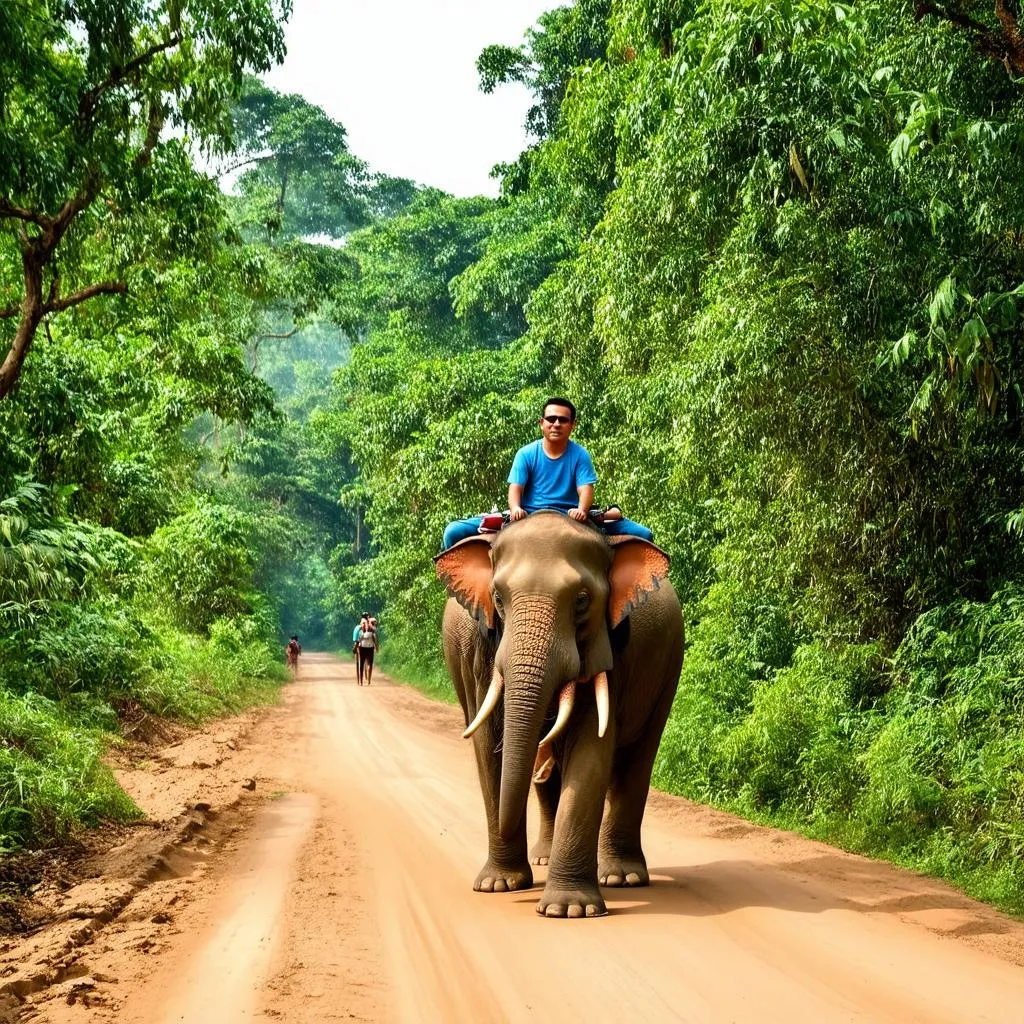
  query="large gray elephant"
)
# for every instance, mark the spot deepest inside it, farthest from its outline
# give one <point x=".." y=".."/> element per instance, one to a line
<point x="552" y="620"/>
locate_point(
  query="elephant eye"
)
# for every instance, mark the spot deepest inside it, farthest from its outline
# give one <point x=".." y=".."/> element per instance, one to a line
<point x="499" y="605"/>
<point x="582" y="602"/>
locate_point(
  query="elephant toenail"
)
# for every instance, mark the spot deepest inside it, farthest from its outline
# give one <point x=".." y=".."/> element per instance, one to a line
<point x="632" y="878"/>
<point x="575" y="910"/>
<point x="501" y="885"/>
<point x="555" y="910"/>
<point x="595" y="911"/>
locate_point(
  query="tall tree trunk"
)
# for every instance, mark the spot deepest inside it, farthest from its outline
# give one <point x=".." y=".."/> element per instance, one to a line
<point x="31" y="314"/>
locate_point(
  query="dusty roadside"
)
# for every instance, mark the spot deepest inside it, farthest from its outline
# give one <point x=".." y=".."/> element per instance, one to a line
<point x="126" y="886"/>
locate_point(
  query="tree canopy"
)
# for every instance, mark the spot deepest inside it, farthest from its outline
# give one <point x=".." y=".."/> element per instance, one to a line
<point x="85" y="173"/>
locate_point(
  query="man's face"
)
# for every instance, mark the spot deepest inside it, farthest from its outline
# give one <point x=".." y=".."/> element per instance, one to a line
<point x="556" y="424"/>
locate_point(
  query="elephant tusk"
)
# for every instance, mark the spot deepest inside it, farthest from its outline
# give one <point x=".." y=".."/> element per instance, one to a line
<point x="565" y="701"/>
<point x="601" y="698"/>
<point x="490" y="702"/>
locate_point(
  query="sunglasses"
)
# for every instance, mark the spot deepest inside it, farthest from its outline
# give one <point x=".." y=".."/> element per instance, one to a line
<point x="557" y="419"/>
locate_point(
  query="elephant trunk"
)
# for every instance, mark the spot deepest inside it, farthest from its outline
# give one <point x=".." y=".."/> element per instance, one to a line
<point x="535" y="666"/>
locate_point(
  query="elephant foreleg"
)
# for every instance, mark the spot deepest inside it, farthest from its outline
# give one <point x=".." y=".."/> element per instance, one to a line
<point x="572" y="887"/>
<point x="507" y="868"/>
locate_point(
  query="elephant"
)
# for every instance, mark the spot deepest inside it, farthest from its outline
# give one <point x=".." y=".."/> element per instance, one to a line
<point x="551" y="619"/>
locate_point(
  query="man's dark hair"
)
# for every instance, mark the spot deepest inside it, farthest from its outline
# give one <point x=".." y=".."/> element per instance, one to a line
<point x="559" y="401"/>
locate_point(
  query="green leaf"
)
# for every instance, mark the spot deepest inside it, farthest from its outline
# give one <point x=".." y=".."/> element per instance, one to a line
<point x="943" y="301"/>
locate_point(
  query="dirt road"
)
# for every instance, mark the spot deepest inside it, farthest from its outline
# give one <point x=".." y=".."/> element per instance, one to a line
<point x="346" y="895"/>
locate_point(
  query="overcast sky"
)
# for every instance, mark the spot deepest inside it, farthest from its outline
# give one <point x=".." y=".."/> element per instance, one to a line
<point x="400" y="75"/>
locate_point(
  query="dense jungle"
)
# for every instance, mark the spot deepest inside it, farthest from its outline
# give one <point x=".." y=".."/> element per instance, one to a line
<point x="772" y="249"/>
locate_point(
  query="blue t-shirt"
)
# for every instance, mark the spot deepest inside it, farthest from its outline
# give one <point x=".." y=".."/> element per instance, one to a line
<point x="551" y="483"/>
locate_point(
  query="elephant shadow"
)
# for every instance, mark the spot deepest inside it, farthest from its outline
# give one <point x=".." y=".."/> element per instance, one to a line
<point x="810" y="886"/>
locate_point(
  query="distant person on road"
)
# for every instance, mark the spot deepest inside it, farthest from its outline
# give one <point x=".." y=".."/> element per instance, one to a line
<point x="357" y="633"/>
<point x="367" y="646"/>
<point x="292" y="652"/>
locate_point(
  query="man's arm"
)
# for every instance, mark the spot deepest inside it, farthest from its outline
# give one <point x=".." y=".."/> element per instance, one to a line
<point x="582" y="510"/>
<point x="585" y="480"/>
<point x="515" y="502"/>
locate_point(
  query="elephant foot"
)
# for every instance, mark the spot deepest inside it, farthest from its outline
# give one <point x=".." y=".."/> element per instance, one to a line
<point x="493" y="878"/>
<point x="616" y="872"/>
<point x="541" y="852"/>
<point x="584" y="901"/>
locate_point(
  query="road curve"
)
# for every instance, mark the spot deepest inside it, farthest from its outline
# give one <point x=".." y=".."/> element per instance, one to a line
<point x="351" y="898"/>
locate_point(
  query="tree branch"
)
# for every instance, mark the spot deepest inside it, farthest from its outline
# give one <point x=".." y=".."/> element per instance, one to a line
<point x="157" y="116"/>
<point x="953" y="15"/>
<point x="58" y="305"/>
<point x="1004" y="44"/>
<point x="263" y="158"/>
<point x="281" y="337"/>
<point x="9" y="210"/>
<point x="89" y="100"/>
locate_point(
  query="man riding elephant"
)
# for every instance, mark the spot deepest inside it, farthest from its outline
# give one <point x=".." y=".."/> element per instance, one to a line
<point x="555" y="473"/>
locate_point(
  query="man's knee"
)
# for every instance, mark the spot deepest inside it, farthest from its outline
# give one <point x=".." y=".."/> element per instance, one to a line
<point x="627" y="527"/>
<point x="460" y="530"/>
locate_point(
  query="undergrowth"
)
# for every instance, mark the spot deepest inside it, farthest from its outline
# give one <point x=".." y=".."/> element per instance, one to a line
<point x="62" y="684"/>
<point x="424" y="674"/>
<point x="918" y="759"/>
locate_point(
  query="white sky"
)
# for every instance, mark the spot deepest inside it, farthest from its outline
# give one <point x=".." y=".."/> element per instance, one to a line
<point x="400" y="76"/>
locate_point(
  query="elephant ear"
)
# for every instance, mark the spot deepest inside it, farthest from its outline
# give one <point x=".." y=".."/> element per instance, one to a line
<point x="465" y="569"/>
<point x="638" y="567"/>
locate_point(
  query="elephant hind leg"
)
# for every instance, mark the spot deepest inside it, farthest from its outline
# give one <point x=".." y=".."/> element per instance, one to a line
<point x="620" y="856"/>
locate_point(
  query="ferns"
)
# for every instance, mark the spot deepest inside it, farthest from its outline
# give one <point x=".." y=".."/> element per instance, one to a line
<point x="43" y="558"/>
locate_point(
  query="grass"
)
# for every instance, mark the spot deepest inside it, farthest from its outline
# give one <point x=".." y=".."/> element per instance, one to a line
<point x="52" y="777"/>
<point x="53" y="781"/>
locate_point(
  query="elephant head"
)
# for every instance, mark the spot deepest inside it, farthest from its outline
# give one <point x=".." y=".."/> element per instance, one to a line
<point x="553" y="589"/>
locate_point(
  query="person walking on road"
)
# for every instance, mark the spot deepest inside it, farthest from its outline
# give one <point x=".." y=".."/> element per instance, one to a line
<point x="366" y="647"/>
<point x="357" y="633"/>
<point x="292" y="652"/>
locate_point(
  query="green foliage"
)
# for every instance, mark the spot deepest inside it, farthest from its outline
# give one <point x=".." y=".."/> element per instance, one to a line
<point x="42" y="559"/>
<point x="88" y="90"/>
<point x="204" y="561"/>
<point x="563" y="40"/>
<point x="52" y="778"/>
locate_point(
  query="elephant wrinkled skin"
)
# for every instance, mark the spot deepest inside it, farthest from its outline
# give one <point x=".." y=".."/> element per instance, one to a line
<point x="550" y="622"/>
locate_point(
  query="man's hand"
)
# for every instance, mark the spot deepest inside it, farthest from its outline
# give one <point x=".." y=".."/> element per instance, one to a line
<point x="516" y="513"/>
<point x="578" y="514"/>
